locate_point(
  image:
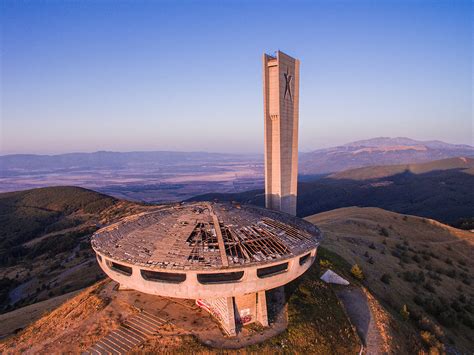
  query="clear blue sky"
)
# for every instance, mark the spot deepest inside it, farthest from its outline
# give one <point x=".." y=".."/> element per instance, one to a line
<point x="186" y="75"/>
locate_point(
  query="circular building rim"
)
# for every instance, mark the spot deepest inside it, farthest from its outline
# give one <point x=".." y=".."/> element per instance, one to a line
<point x="215" y="270"/>
<point x="209" y="283"/>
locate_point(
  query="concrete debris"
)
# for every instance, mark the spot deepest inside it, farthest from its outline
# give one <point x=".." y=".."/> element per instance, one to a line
<point x="205" y="235"/>
<point x="331" y="277"/>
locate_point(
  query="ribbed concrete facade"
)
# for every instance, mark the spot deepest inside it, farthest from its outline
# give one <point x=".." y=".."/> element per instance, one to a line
<point x="281" y="106"/>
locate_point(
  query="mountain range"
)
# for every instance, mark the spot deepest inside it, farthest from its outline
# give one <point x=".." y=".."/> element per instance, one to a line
<point x="370" y="152"/>
<point x="378" y="151"/>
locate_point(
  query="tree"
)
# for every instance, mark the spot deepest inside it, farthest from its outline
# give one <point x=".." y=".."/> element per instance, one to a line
<point x="356" y="271"/>
<point x="386" y="279"/>
<point x="405" y="313"/>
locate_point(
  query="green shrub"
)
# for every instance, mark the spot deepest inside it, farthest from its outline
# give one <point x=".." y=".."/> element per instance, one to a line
<point x="386" y="279"/>
<point x="383" y="232"/>
<point x="324" y="263"/>
<point x="429" y="287"/>
<point x="412" y="276"/>
<point x="356" y="271"/>
<point x="404" y="312"/>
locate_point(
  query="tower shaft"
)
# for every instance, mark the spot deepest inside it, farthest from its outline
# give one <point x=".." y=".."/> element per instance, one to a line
<point x="281" y="107"/>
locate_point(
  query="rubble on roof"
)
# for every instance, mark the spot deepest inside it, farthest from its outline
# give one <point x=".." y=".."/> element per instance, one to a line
<point x="185" y="237"/>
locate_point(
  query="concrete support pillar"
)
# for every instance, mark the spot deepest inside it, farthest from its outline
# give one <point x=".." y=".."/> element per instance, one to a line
<point x="262" y="315"/>
<point x="223" y="310"/>
<point x="231" y="327"/>
<point x="235" y="312"/>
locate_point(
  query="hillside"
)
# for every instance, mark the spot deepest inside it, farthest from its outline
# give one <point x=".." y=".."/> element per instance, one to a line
<point x="411" y="261"/>
<point x="44" y="241"/>
<point x="442" y="190"/>
<point x="317" y="323"/>
<point x="378" y="151"/>
<point x="466" y="165"/>
<point x="406" y="260"/>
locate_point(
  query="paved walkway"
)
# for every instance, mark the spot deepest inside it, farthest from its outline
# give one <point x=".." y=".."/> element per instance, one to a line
<point x="357" y="307"/>
<point x="132" y="333"/>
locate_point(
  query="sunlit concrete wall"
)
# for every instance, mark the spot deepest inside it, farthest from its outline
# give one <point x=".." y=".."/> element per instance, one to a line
<point x="191" y="288"/>
<point x="281" y="115"/>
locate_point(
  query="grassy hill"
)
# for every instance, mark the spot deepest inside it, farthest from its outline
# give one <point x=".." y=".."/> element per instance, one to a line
<point x="406" y="260"/>
<point x="44" y="247"/>
<point x="25" y="215"/>
<point x="442" y="190"/>
<point x="411" y="261"/>
<point x="463" y="164"/>
<point x="317" y="323"/>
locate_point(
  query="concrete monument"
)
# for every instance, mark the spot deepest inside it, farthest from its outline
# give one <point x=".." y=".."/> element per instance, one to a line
<point x="281" y="75"/>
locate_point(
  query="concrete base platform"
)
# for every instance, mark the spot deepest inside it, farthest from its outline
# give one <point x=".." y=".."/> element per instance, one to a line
<point x="186" y="318"/>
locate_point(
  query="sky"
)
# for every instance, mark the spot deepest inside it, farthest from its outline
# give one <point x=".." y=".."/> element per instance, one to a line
<point x="187" y="75"/>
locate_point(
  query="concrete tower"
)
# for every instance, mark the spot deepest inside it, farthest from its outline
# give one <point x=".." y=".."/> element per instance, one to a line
<point x="281" y="75"/>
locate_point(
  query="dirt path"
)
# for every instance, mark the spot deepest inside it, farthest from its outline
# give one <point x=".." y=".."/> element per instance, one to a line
<point x="357" y="307"/>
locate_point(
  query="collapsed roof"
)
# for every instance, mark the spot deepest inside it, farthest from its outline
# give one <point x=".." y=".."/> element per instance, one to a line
<point x="185" y="237"/>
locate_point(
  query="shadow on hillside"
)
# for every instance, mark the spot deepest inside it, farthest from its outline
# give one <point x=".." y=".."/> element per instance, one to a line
<point x="444" y="195"/>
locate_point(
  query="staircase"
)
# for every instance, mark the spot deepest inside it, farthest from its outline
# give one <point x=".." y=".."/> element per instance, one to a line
<point x="134" y="331"/>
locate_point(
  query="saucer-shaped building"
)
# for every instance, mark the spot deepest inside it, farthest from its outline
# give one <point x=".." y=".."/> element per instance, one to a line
<point x="223" y="255"/>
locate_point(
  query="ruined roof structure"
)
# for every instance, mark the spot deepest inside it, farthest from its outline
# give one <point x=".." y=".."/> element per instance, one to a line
<point x="185" y="237"/>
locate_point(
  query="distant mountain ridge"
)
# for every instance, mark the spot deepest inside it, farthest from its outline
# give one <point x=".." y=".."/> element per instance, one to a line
<point x="404" y="141"/>
<point x="106" y="159"/>
<point x="379" y="151"/>
<point x="370" y="152"/>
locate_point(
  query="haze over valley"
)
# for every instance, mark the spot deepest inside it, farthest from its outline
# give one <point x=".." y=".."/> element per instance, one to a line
<point x="175" y="176"/>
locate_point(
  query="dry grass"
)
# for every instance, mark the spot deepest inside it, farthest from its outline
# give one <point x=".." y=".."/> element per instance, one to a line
<point x="72" y="327"/>
<point x="317" y="323"/>
<point x="22" y="317"/>
<point x="422" y="256"/>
